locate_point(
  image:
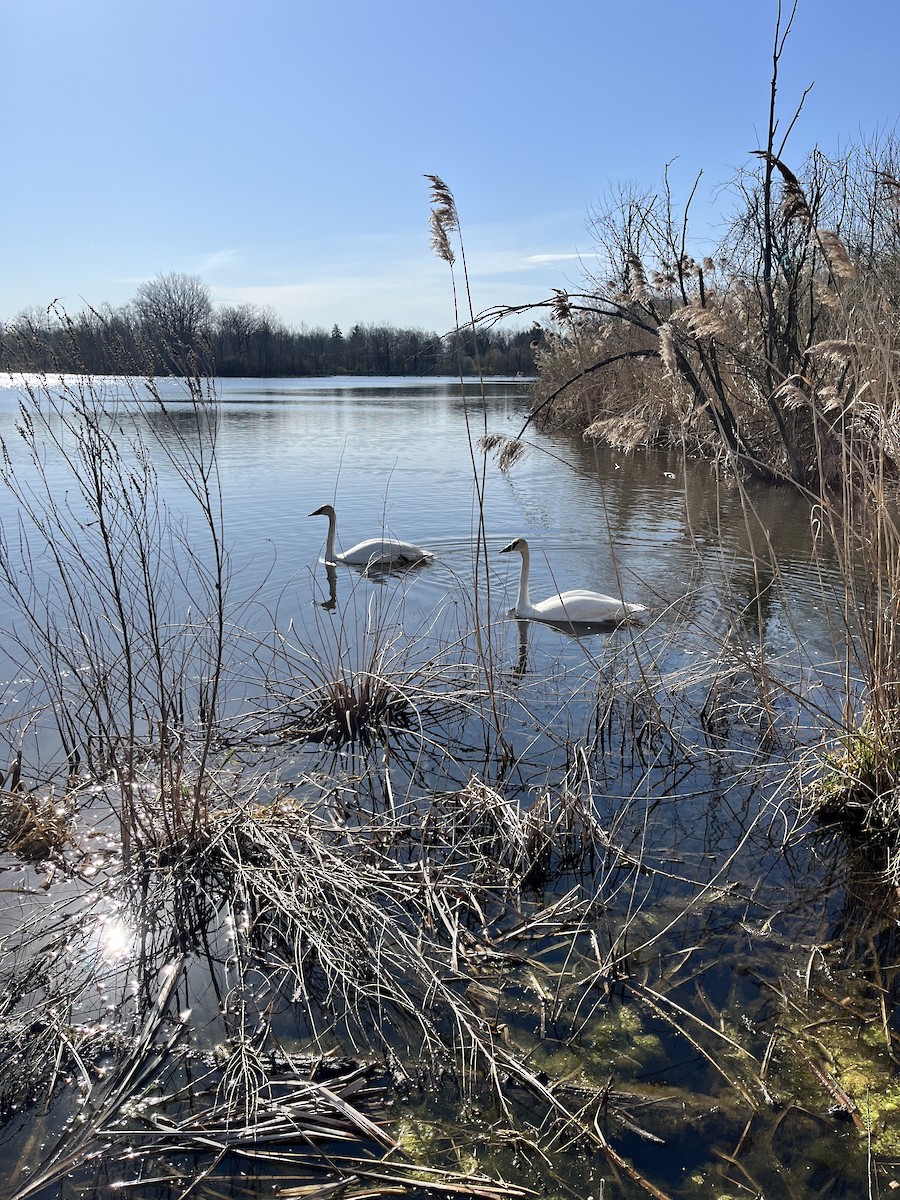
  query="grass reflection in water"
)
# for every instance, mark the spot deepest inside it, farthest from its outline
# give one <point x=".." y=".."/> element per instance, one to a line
<point x="432" y="907"/>
<point x="489" y="987"/>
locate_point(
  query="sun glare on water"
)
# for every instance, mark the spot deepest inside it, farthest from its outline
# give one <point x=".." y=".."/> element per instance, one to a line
<point x="116" y="939"/>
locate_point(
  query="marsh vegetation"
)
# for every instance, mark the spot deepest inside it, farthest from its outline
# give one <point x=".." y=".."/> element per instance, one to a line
<point x="773" y="358"/>
<point x="359" y="887"/>
<point x="401" y="897"/>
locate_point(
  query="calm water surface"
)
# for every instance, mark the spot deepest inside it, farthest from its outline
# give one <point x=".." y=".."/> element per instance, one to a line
<point x="396" y="455"/>
<point x="399" y="455"/>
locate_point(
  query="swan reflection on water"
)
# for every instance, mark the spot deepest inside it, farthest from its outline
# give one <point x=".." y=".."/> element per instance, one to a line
<point x="331" y="576"/>
<point x="577" y="630"/>
<point x="374" y="572"/>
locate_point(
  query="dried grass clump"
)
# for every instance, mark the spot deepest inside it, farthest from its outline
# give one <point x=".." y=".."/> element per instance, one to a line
<point x="358" y="708"/>
<point x="365" y="679"/>
<point x="859" y="789"/>
<point x="507" y="450"/>
<point x="624" y="433"/>
<point x="32" y="826"/>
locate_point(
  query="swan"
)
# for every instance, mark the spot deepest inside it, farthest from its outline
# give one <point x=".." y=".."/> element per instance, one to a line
<point x="373" y="552"/>
<point x="576" y="607"/>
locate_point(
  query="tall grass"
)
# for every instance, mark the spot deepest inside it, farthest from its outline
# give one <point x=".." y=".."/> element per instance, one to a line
<point x="774" y="358"/>
<point x="121" y="605"/>
<point x="447" y="239"/>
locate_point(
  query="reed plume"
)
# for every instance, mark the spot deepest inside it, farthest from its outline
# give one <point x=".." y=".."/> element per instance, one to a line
<point x="839" y="262"/>
<point x="506" y="450"/>
<point x="638" y="286"/>
<point x="834" y="350"/>
<point x="561" y="306"/>
<point x="700" y="319"/>
<point x="443" y="218"/>
<point x="789" y="394"/>
<point x="667" y="348"/>
<point x="891" y="185"/>
<point x="794" y="206"/>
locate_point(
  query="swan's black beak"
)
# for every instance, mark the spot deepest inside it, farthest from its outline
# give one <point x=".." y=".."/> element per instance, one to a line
<point x="506" y="549"/>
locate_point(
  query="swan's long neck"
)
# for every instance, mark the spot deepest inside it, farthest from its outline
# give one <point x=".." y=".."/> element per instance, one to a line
<point x="523" y="604"/>
<point x="329" y="541"/>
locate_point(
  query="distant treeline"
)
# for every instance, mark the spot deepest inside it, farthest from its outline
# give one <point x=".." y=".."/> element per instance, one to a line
<point x="171" y="322"/>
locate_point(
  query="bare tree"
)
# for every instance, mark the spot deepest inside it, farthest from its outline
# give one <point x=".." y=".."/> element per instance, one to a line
<point x="174" y="311"/>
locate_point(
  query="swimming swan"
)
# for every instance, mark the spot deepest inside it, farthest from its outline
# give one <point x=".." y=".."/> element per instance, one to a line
<point x="578" y="606"/>
<point x="373" y="552"/>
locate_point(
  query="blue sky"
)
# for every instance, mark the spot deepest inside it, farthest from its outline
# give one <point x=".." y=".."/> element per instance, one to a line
<point x="276" y="148"/>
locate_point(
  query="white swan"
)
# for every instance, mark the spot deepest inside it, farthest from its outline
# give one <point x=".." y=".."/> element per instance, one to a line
<point x="576" y="607"/>
<point x="373" y="552"/>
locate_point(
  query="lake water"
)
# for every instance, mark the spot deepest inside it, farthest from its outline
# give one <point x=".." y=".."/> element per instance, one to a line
<point x="722" y="871"/>
<point x="400" y="456"/>
<point x="395" y="455"/>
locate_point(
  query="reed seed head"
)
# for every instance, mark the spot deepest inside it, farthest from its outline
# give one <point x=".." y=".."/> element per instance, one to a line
<point x="891" y="185"/>
<point x="704" y="321"/>
<point x="440" y="241"/>
<point x="561" y="307"/>
<point x="640" y="290"/>
<point x="506" y="450"/>
<point x="790" y="395"/>
<point x="794" y="206"/>
<point x="667" y="348"/>
<point x="839" y="262"/>
<point x="835" y="351"/>
<point x="443" y="219"/>
<point x="442" y="202"/>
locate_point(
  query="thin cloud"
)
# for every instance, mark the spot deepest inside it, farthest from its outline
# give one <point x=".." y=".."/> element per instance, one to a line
<point x="540" y="259"/>
<point x="219" y="258"/>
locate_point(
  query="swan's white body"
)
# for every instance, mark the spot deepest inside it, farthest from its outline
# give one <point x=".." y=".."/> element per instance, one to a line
<point x="373" y="552"/>
<point x="579" y="606"/>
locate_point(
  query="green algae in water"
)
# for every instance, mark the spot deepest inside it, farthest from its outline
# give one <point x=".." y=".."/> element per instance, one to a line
<point x="618" y="1042"/>
<point x="876" y="1094"/>
<point x="487" y="1151"/>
